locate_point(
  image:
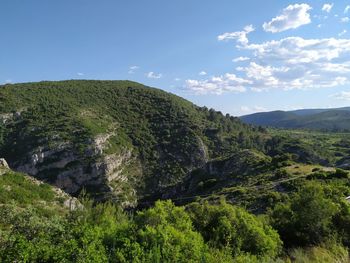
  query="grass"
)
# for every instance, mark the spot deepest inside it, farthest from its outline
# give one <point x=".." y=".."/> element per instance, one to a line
<point x="330" y="146"/>
<point x="24" y="192"/>
<point x="305" y="169"/>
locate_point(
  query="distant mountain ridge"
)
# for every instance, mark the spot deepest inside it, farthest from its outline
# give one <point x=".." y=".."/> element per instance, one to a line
<point x="335" y="119"/>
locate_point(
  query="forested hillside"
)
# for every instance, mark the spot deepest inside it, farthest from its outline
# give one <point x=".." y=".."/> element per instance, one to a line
<point x="115" y="138"/>
<point x="335" y="120"/>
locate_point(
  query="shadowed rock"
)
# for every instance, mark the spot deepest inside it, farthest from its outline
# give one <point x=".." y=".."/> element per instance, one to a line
<point x="3" y="163"/>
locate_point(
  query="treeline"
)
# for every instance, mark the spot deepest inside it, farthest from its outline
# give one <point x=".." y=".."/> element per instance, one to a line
<point x="313" y="224"/>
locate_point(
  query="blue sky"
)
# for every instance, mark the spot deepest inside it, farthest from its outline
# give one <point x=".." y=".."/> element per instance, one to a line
<point x="235" y="56"/>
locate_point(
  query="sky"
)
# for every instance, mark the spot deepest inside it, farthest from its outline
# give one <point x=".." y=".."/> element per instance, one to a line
<point x="238" y="57"/>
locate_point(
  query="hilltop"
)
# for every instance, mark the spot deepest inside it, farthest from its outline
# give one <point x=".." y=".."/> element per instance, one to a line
<point x="337" y="119"/>
<point x="118" y="140"/>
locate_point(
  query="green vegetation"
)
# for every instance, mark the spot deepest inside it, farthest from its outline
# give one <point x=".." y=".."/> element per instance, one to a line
<point x="310" y="217"/>
<point x="325" y="148"/>
<point x="166" y="233"/>
<point x="334" y="120"/>
<point x="237" y="193"/>
<point x="24" y="192"/>
<point x="169" y="135"/>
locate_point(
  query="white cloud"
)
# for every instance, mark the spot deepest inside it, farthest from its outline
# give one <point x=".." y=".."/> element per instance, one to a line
<point x="344" y="19"/>
<point x="293" y="16"/>
<point x="245" y="109"/>
<point x="259" y="108"/>
<point x="218" y="85"/>
<point x="295" y="62"/>
<point x="288" y="63"/>
<point x="347" y="8"/>
<point x="177" y="79"/>
<point x="240" y="36"/>
<point x="296" y="50"/>
<point x="132" y="69"/>
<point x="343" y="95"/>
<point x="80" y="74"/>
<point x="253" y="109"/>
<point x="202" y="73"/>
<point x="152" y="75"/>
<point x="327" y="7"/>
<point x="240" y="59"/>
<point x="342" y="33"/>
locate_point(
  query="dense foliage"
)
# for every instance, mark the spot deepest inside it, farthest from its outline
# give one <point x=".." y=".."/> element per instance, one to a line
<point x="239" y="193"/>
<point x="313" y="224"/>
<point x="169" y="135"/>
<point x="331" y="120"/>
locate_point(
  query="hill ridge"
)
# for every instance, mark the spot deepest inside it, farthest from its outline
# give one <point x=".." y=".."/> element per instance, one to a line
<point x="335" y="119"/>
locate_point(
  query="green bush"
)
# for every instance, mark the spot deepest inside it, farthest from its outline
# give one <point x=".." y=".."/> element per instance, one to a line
<point x="227" y="226"/>
<point x="310" y="217"/>
<point x="168" y="229"/>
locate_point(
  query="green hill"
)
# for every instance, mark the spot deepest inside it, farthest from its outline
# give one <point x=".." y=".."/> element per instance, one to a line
<point x="116" y="139"/>
<point x="313" y="119"/>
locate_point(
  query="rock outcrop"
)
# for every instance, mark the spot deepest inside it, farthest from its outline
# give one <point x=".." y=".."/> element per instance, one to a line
<point x="3" y="164"/>
<point x="102" y="175"/>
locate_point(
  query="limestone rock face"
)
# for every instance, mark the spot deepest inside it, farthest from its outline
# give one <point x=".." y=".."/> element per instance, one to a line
<point x="3" y="163"/>
<point x="101" y="173"/>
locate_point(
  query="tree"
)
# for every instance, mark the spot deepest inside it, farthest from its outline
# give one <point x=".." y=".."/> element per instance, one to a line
<point x="227" y="226"/>
<point x="307" y="218"/>
<point x="166" y="234"/>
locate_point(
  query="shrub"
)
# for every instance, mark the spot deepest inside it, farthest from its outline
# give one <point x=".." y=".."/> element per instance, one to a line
<point x="227" y="226"/>
<point x="307" y="218"/>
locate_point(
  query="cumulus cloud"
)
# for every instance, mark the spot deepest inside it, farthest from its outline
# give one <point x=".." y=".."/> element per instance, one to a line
<point x="296" y="50"/>
<point x="80" y="74"/>
<point x="344" y="19"/>
<point x="152" y="75"/>
<point x="300" y="63"/>
<point x="240" y="59"/>
<point x="218" y="85"/>
<point x="293" y="16"/>
<point x="327" y="7"/>
<point x="240" y="36"/>
<point x="202" y="73"/>
<point x="343" y="95"/>
<point x="347" y="8"/>
<point x="132" y="69"/>
<point x="288" y="63"/>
